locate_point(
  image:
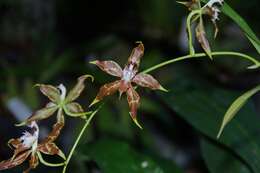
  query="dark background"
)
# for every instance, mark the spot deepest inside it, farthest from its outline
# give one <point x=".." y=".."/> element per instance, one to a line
<point x="48" y="41"/>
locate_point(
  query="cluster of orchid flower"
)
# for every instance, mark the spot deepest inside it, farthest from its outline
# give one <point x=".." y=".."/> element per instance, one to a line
<point x="61" y="102"/>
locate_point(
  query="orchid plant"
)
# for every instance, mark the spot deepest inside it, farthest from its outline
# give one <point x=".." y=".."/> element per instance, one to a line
<point x="63" y="102"/>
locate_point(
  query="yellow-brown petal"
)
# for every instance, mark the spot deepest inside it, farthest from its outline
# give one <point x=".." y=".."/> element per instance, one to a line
<point x="33" y="163"/>
<point x="7" y="164"/>
<point x="136" y="55"/>
<point x="75" y="92"/>
<point x="18" y="145"/>
<point x="202" y="39"/>
<point x="133" y="100"/>
<point x="146" y="80"/>
<point x="50" y="91"/>
<point x="109" y="67"/>
<point x="51" y="149"/>
<point x="191" y="5"/>
<point x="74" y="108"/>
<point x="106" y="90"/>
<point x="56" y="129"/>
<point x="60" y="117"/>
<point x="41" y="114"/>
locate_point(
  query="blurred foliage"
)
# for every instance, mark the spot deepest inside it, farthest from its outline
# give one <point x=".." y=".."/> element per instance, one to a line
<point x="118" y="156"/>
<point x="203" y="105"/>
<point x="223" y="159"/>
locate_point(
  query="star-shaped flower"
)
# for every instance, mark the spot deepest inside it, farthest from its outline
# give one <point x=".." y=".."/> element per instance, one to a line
<point x="27" y="146"/>
<point x="60" y="101"/>
<point x="127" y="76"/>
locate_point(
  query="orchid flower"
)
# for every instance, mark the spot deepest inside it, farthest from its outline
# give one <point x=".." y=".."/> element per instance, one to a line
<point x="27" y="146"/>
<point x="210" y="9"/>
<point x="60" y="101"/>
<point x="127" y="76"/>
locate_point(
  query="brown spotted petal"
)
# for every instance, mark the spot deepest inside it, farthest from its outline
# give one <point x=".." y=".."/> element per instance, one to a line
<point x="33" y="163"/>
<point x="7" y="164"/>
<point x="60" y="117"/>
<point x="106" y="90"/>
<point x="41" y="114"/>
<point x="109" y="67"/>
<point x="51" y="92"/>
<point x="56" y="129"/>
<point x="146" y="80"/>
<point x="18" y="145"/>
<point x="136" y="55"/>
<point x="51" y="149"/>
<point x="78" y="88"/>
<point x="47" y="146"/>
<point x="202" y="39"/>
<point x="133" y="100"/>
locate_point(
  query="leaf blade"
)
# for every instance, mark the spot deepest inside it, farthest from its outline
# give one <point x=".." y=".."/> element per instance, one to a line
<point x="236" y="106"/>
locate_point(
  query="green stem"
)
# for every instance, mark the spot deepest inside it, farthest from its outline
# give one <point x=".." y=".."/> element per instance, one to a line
<point x="188" y="25"/>
<point x="76" y="114"/>
<point x="77" y="140"/>
<point x="198" y="55"/>
<point x="47" y="163"/>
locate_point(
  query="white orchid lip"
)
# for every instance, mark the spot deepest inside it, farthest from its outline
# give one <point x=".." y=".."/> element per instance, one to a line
<point x="31" y="139"/>
<point x="213" y="2"/>
<point x="128" y="73"/>
<point x="212" y="5"/>
<point x="63" y="91"/>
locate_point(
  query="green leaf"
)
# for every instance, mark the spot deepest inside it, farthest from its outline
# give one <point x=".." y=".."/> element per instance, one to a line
<point x="203" y="106"/>
<point x="223" y="160"/>
<point x="116" y="156"/>
<point x="242" y="24"/>
<point x="236" y="106"/>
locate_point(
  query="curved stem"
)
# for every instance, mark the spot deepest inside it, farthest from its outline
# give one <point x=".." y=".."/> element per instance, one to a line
<point x="76" y="114"/>
<point x="47" y="163"/>
<point x="78" y="139"/>
<point x="198" y="55"/>
<point x="188" y="25"/>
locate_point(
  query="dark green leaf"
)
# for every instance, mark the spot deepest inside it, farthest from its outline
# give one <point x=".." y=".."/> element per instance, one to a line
<point x="116" y="156"/>
<point x="203" y="106"/>
<point x="220" y="159"/>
